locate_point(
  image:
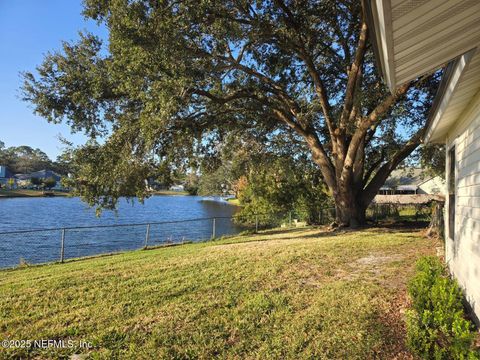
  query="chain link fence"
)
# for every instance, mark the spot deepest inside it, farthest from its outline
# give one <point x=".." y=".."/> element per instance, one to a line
<point x="400" y="212"/>
<point x="19" y="248"/>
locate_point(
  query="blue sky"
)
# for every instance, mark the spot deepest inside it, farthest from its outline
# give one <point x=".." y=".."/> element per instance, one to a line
<point x="28" y="30"/>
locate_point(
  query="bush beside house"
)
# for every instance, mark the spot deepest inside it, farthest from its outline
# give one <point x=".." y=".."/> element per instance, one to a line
<point x="436" y="324"/>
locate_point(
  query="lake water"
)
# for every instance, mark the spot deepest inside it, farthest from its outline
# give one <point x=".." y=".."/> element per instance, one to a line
<point x="23" y="214"/>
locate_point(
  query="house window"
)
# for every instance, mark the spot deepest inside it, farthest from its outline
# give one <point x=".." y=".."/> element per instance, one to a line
<point x="451" y="193"/>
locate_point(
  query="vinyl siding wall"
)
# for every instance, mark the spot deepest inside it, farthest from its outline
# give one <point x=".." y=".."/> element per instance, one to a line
<point x="463" y="252"/>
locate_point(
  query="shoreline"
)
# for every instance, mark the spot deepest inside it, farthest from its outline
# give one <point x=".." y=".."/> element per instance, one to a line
<point x="170" y="192"/>
<point x="234" y="201"/>
<point x="26" y="193"/>
<point x="29" y="193"/>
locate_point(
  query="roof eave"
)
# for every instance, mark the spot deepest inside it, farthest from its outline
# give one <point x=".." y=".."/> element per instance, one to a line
<point x="379" y="21"/>
<point x="450" y="79"/>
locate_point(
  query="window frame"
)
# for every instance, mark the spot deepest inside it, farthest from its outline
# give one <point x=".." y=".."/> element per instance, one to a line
<point x="452" y="171"/>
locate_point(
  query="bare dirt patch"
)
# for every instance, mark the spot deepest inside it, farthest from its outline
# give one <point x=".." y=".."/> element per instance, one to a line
<point x="377" y="260"/>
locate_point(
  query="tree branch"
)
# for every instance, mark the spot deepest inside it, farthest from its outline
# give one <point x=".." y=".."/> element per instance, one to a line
<point x="241" y="94"/>
<point x="312" y="70"/>
<point x="372" y="168"/>
<point x="372" y="119"/>
<point x="318" y="152"/>
<point x="359" y="167"/>
<point x="353" y="73"/>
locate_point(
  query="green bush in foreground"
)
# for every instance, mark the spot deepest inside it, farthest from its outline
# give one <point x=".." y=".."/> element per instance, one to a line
<point x="436" y="327"/>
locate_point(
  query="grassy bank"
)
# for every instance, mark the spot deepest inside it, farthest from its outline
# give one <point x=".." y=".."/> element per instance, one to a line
<point x="27" y="193"/>
<point x="39" y="193"/>
<point x="234" y="201"/>
<point x="169" y="192"/>
<point x="292" y="294"/>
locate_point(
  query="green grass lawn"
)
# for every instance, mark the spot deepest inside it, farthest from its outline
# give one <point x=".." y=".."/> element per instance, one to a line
<point x="294" y="294"/>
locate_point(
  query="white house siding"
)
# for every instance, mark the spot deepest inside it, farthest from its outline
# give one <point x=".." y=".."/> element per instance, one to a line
<point x="463" y="252"/>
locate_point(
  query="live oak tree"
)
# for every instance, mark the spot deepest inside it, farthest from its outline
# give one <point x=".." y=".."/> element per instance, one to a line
<point x="176" y="74"/>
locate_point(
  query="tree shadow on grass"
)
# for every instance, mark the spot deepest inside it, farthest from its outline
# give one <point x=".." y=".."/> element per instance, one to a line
<point x="316" y="232"/>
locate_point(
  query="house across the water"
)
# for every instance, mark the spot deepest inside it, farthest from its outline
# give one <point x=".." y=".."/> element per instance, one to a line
<point x="177" y="188"/>
<point x="25" y="180"/>
<point x="413" y="38"/>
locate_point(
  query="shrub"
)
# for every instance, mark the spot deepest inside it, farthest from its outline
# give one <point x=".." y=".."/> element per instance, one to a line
<point x="436" y="327"/>
<point x="427" y="270"/>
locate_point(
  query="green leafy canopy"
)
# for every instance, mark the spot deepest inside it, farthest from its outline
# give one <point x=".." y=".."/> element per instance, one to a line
<point x="177" y="75"/>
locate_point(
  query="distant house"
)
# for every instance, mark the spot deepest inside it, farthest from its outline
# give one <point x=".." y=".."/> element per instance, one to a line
<point x="434" y="185"/>
<point x="24" y="180"/>
<point x="412" y="38"/>
<point x="45" y="174"/>
<point x="409" y="181"/>
<point x="5" y="176"/>
<point x="177" y="188"/>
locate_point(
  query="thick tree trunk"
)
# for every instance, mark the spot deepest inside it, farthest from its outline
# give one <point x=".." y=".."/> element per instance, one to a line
<point x="352" y="190"/>
<point x="348" y="211"/>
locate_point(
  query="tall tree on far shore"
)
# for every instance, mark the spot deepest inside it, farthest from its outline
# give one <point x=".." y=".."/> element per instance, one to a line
<point x="176" y="75"/>
<point x="24" y="159"/>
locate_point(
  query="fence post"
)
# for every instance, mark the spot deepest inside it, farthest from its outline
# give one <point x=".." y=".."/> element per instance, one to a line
<point x="62" y="246"/>
<point x="213" y="230"/>
<point x="290" y="219"/>
<point x="256" y="223"/>
<point x="147" y="236"/>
